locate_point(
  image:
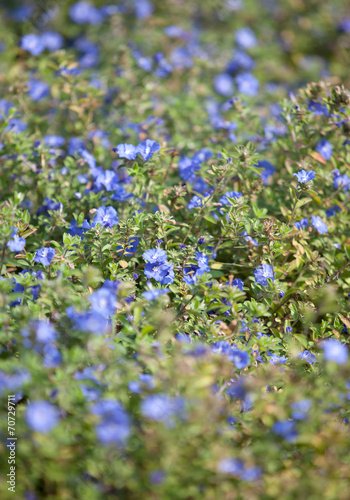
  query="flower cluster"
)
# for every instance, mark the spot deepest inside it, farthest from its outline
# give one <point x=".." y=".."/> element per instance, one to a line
<point x="174" y="249"/>
<point x="158" y="267"/>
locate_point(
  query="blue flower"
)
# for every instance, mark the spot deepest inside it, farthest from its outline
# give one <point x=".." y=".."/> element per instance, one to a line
<point x="268" y="170"/>
<point x="89" y="321"/>
<point x="115" y="430"/>
<point x="147" y="149"/>
<point x="5" y="107"/>
<point x="245" y="38"/>
<point x="203" y="262"/>
<point x="37" y="89"/>
<point x="52" y="356"/>
<point x="120" y="194"/>
<point x="161" y="272"/>
<point x="145" y="380"/>
<point x="90" y="53"/>
<point x="134" y="387"/>
<point x="230" y="194"/>
<point x="162" y="408"/>
<point x="164" y="68"/>
<point x="344" y="25"/>
<point x="307" y="356"/>
<point x="335" y="351"/>
<point x="183" y="338"/>
<point x="303" y="176"/>
<point x="195" y="202"/>
<point x="154" y="255"/>
<point x="341" y="180"/>
<point x="143" y="62"/>
<point x="286" y="429"/>
<point x="44" y="256"/>
<point x="49" y="205"/>
<point x="240" y="61"/>
<point x="103" y="301"/>
<point x="33" y="43"/>
<point x="16" y="126"/>
<point x="97" y="134"/>
<point x="191" y="274"/>
<point x="127" y="151"/>
<point x="20" y="289"/>
<point x="235" y="467"/>
<point x="251" y="474"/>
<point x="263" y="273"/>
<point x="318" y="224"/>
<point x="187" y="169"/>
<point x="35" y="291"/>
<point x="44" y="332"/>
<point x="157" y="476"/>
<point x="88" y="157"/>
<point x="302" y="224"/>
<point x="181" y="58"/>
<point x="106" y="216"/>
<point x="247" y="84"/>
<point x="143" y="8"/>
<point x="249" y="238"/>
<point x="231" y="466"/>
<point x="69" y="71"/>
<point x="238" y="389"/>
<point x="223" y="84"/>
<point x="52" y="40"/>
<point x="221" y="347"/>
<point x="54" y="141"/>
<point x="331" y="212"/>
<point x="274" y="359"/>
<point x="22" y="13"/>
<point x="90" y="393"/>
<point x="17" y="244"/>
<point x="318" y="108"/>
<point x="301" y="409"/>
<point x="240" y="358"/>
<point x="176" y="32"/>
<point x="202" y="156"/>
<point x="42" y="416"/>
<point x="325" y="149"/>
<point x="155" y="293"/>
<point x="110" y="10"/>
<point x="13" y="381"/>
<point x="238" y="283"/>
<point x="128" y="247"/>
<point x="107" y="178"/>
<point x="115" y="425"/>
<point x="75" y="144"/>
<point x="85" y="13"/>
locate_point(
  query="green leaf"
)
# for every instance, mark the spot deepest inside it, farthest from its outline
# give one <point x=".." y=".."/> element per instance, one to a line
<point x="210" y="218"/>
<point x="302" y="202"/>
<point x="137" y="313"/>
<point x="347" y="250"/>
<point x="301" y="339"/>
<point x="26" y="216"/>
<point x="147" y="329"/>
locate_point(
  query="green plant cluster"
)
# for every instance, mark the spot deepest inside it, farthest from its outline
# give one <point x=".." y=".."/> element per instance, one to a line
<point x="175" y="250"/>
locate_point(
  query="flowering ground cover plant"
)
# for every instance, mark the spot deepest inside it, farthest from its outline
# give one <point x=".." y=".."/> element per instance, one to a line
<point x="175" y="250"/>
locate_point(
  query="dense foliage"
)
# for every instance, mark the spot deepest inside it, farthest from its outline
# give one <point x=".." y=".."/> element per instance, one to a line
<point x="175" y="249"/>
